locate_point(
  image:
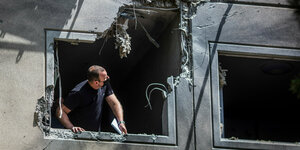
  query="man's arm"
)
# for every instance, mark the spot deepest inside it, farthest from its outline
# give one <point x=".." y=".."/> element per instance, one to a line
<point x="116" y="107"/>
<point x="65" y="121"/>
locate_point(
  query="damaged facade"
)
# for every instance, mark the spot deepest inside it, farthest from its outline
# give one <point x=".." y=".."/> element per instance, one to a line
<point x="180" y="59"/>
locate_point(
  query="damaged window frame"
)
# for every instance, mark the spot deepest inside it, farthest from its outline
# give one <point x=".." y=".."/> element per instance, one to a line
<point x="43" y="109"/>
<point x="217" y="82"/>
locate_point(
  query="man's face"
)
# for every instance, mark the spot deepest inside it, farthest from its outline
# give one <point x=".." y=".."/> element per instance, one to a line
<point x="102" y="78"/>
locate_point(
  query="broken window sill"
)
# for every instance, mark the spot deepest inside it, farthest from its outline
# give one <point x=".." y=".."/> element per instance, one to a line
<point x="66" y="134"/>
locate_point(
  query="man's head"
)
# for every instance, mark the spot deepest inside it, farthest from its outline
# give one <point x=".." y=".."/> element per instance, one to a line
<point x="96" y="76"/>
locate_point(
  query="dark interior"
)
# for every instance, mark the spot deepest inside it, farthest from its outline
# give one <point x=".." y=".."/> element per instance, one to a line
<point x="129" y="76"/>
<point x="258" y="104"/>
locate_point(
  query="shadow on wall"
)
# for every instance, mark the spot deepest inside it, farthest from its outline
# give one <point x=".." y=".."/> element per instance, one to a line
<point x="207" y="71"/>
<point x="22" y="23"/>
<point x="296" y="4"/>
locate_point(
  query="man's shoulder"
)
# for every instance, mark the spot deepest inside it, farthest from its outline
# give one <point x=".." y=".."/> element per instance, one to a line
<point x="79" y="86"/>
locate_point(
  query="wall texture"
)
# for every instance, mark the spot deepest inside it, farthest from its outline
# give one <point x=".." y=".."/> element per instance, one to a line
<point x="22" y="61"/>
<point x="238" y="24"/>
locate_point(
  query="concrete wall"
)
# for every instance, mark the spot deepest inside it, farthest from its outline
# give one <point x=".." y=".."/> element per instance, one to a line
<point x="22" y="61"/>
<point x="253" y="24"/>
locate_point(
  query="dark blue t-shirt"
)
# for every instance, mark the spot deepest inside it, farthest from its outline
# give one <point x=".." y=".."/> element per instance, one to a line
<point x="85" y="104"/>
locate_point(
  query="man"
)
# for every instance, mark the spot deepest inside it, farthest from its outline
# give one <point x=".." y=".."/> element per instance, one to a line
<point x="82" y="109"/>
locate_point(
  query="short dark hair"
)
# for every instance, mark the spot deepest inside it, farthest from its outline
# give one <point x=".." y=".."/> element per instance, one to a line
<point x="93" y="72"/>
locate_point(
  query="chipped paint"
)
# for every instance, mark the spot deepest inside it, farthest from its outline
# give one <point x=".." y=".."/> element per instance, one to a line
<point x="123" y="40"/>
<point x="188" y="12"/>
<point x="43" y="110"/>
<point x="118" y="28"/>
<point x="158" y="3"/>
<point x="42" y="115"/>
<point x="222" y="76"/>
<point x="117" y="137"/>
<point x="60" y="134"/>
<point x="153" y="137"/>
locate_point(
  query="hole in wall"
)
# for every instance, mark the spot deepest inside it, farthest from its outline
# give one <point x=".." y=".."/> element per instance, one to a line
<point x="129" y="76"/>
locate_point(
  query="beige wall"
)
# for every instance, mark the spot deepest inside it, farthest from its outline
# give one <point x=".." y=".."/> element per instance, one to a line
<point x="22" y="58"/>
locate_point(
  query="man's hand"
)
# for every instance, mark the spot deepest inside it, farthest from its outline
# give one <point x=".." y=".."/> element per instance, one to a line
<point x="77" y="129"/>
<point x="123" y="128"/>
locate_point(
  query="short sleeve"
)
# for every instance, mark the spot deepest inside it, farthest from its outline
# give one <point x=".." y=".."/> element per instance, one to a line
<point x="109" y="90"/>
<point x="73" y="100"/>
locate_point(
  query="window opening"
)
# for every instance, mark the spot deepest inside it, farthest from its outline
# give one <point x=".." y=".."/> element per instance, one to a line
<point x="256" y="107"/>
<point x="144" y="76"/>
<point x="258" y="103"/>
